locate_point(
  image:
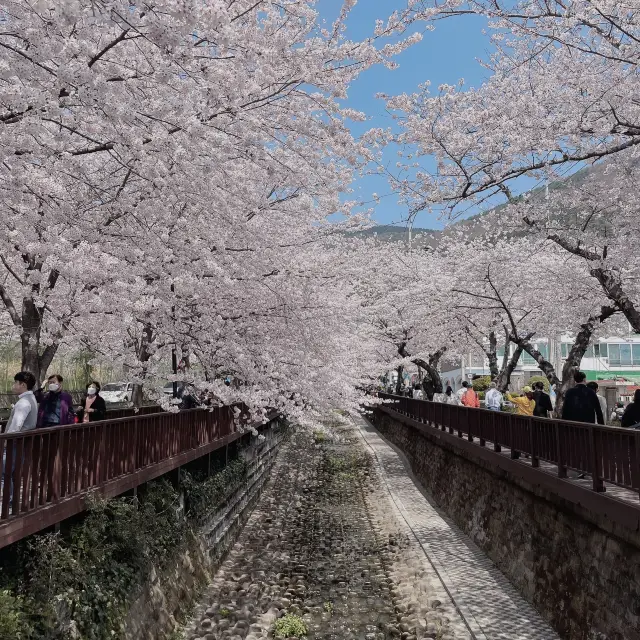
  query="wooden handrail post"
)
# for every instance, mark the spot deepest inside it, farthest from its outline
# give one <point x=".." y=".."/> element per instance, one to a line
<point x="598" y="484"/>
<point x="515" y="454"/>
<point x="496" y="445"/>
<point x="562" y="470"/>
<point x="635" y="463"/>
<point x="535" y="462"/>
<point x="55" y="472"/>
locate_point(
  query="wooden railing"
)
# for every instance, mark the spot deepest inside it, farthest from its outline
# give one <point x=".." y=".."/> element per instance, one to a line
<point x="48" y="467"/>
<point x="114" y="414"/>
<point x="607" y="454"/>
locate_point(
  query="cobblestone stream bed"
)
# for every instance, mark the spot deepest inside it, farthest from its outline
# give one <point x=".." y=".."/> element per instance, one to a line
<point x="325" y="546"/>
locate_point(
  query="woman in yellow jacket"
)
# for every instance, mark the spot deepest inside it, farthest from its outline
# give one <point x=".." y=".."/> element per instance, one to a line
<point x="525" y="404"/>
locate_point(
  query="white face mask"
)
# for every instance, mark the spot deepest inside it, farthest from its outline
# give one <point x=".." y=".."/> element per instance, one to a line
<point x="92" y="391"/>
<point x="54" y="387"/>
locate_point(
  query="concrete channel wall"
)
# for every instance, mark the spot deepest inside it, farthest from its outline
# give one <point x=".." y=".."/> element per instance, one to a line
<point x="166" y="597"/>
<point x="580" y="570"/>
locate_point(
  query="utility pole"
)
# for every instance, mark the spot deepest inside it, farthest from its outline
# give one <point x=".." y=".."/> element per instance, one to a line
<point x="174" y="355"/>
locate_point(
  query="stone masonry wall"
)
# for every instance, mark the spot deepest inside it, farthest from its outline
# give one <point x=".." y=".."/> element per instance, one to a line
<point x="167" y="596"/>
<point x="583" y="579"/>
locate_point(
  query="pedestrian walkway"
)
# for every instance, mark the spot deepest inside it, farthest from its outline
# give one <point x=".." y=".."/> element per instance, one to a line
<point x="490" y="606"/>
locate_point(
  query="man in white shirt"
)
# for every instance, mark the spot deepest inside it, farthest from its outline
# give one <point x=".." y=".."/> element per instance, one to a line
<point x="493" y="399"/>
<point x="24" y="417"/>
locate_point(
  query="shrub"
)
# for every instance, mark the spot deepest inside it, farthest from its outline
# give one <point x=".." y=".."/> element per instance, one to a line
<point x="481" y="384"/>
<point x="290" y="625"/>
<point x="13" y="623"/>
<point x="533" y="379"/>
<point x="204" y="497"/>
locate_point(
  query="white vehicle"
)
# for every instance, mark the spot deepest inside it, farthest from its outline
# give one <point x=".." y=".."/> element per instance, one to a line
<point x="117" y="392"/>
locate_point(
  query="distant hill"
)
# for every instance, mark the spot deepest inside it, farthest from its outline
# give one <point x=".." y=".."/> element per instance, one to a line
<point x="391" y="233"/>
<point x="472" y="226"/>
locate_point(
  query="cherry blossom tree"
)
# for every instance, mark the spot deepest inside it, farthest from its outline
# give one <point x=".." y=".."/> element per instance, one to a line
<point x="167" y="171"/>
<point x="560" y="97"/>
<point x="516" y="284"/>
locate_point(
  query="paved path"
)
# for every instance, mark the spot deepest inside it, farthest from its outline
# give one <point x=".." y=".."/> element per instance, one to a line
<point x="490" y="606"/>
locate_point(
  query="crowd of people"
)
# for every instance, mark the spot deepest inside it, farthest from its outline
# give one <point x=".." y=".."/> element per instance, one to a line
<point x="582" y="403"/>
<point x="52" y="406"/>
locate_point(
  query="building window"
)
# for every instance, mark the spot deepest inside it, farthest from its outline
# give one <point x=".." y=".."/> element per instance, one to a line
<point x="614" y="354"/>
<point x="542" y="348"/>
<point x="635" y="351"/>
<point x="625" y="354"/>
<point x="601" y="350"/>
<point x="564" y="349"/>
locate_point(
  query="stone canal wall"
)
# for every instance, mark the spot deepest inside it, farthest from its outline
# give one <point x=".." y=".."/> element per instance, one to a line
<point x="167" y="597"/>
<point x="579" y="569"/>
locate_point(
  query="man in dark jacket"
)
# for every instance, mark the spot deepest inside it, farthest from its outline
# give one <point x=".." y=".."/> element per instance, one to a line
<point x="581" y="404"/>
<point x="631" y="415"/>
<point x="56" y="408"/>
<point x="543" y="401"/>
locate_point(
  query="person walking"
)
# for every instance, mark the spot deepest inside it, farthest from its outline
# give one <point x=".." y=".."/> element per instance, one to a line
<point x="93" y="406"/>
<point x="601" y="399"/>
<point x="470" y="398"/>
<point x="525" y="404"/>
<point x="417" y="392"/>
<point x="451" y="398"/>
<point x="581" y="403"/>
<point x="461" y="391"/>
<point x="631" y="415"/>
<point x="543" y="401"/>
<point x="56" y="408"/>
<point x="493" y="399"/>
<point x="23" y="417"/>
<point x="24" y="414"/>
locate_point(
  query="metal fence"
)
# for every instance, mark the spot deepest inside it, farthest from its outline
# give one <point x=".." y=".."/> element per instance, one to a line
<point x="607" y="454"/>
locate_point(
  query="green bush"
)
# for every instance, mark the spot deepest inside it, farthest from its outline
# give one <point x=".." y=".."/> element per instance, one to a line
<point x="481" y="384"/>
<point x="289" y="626"/>
<point x="533" y="379"/>
<point x="83" y="583"/>
<point x="89" y="576"/>
<point x="13" y="622"/>
<point x="203" y="498"/>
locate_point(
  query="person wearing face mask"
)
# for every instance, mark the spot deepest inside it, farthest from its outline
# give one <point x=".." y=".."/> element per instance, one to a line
<point x="93" y="406"/>
<point x="56" y="407"/>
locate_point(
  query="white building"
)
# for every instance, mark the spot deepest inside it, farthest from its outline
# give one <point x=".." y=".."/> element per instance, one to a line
<point x="607" y="359"/>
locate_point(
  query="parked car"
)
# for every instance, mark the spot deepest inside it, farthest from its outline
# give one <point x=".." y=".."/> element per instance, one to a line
<point x="117" y="392"/>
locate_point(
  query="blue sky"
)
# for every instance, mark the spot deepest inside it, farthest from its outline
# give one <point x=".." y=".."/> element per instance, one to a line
<point x="444" y="56"/>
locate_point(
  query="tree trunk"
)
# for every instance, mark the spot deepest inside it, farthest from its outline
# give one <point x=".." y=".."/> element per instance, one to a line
<point x="508" y="365"/>
<point x="400" y="371"/>
<point x="492" y="355"/>
<point x="144" y="355"/>
<point x="432" y="381"/>
<point x="612" y="286"/>
<point x="574" y="358"/>
<point x="32" y="360"/>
